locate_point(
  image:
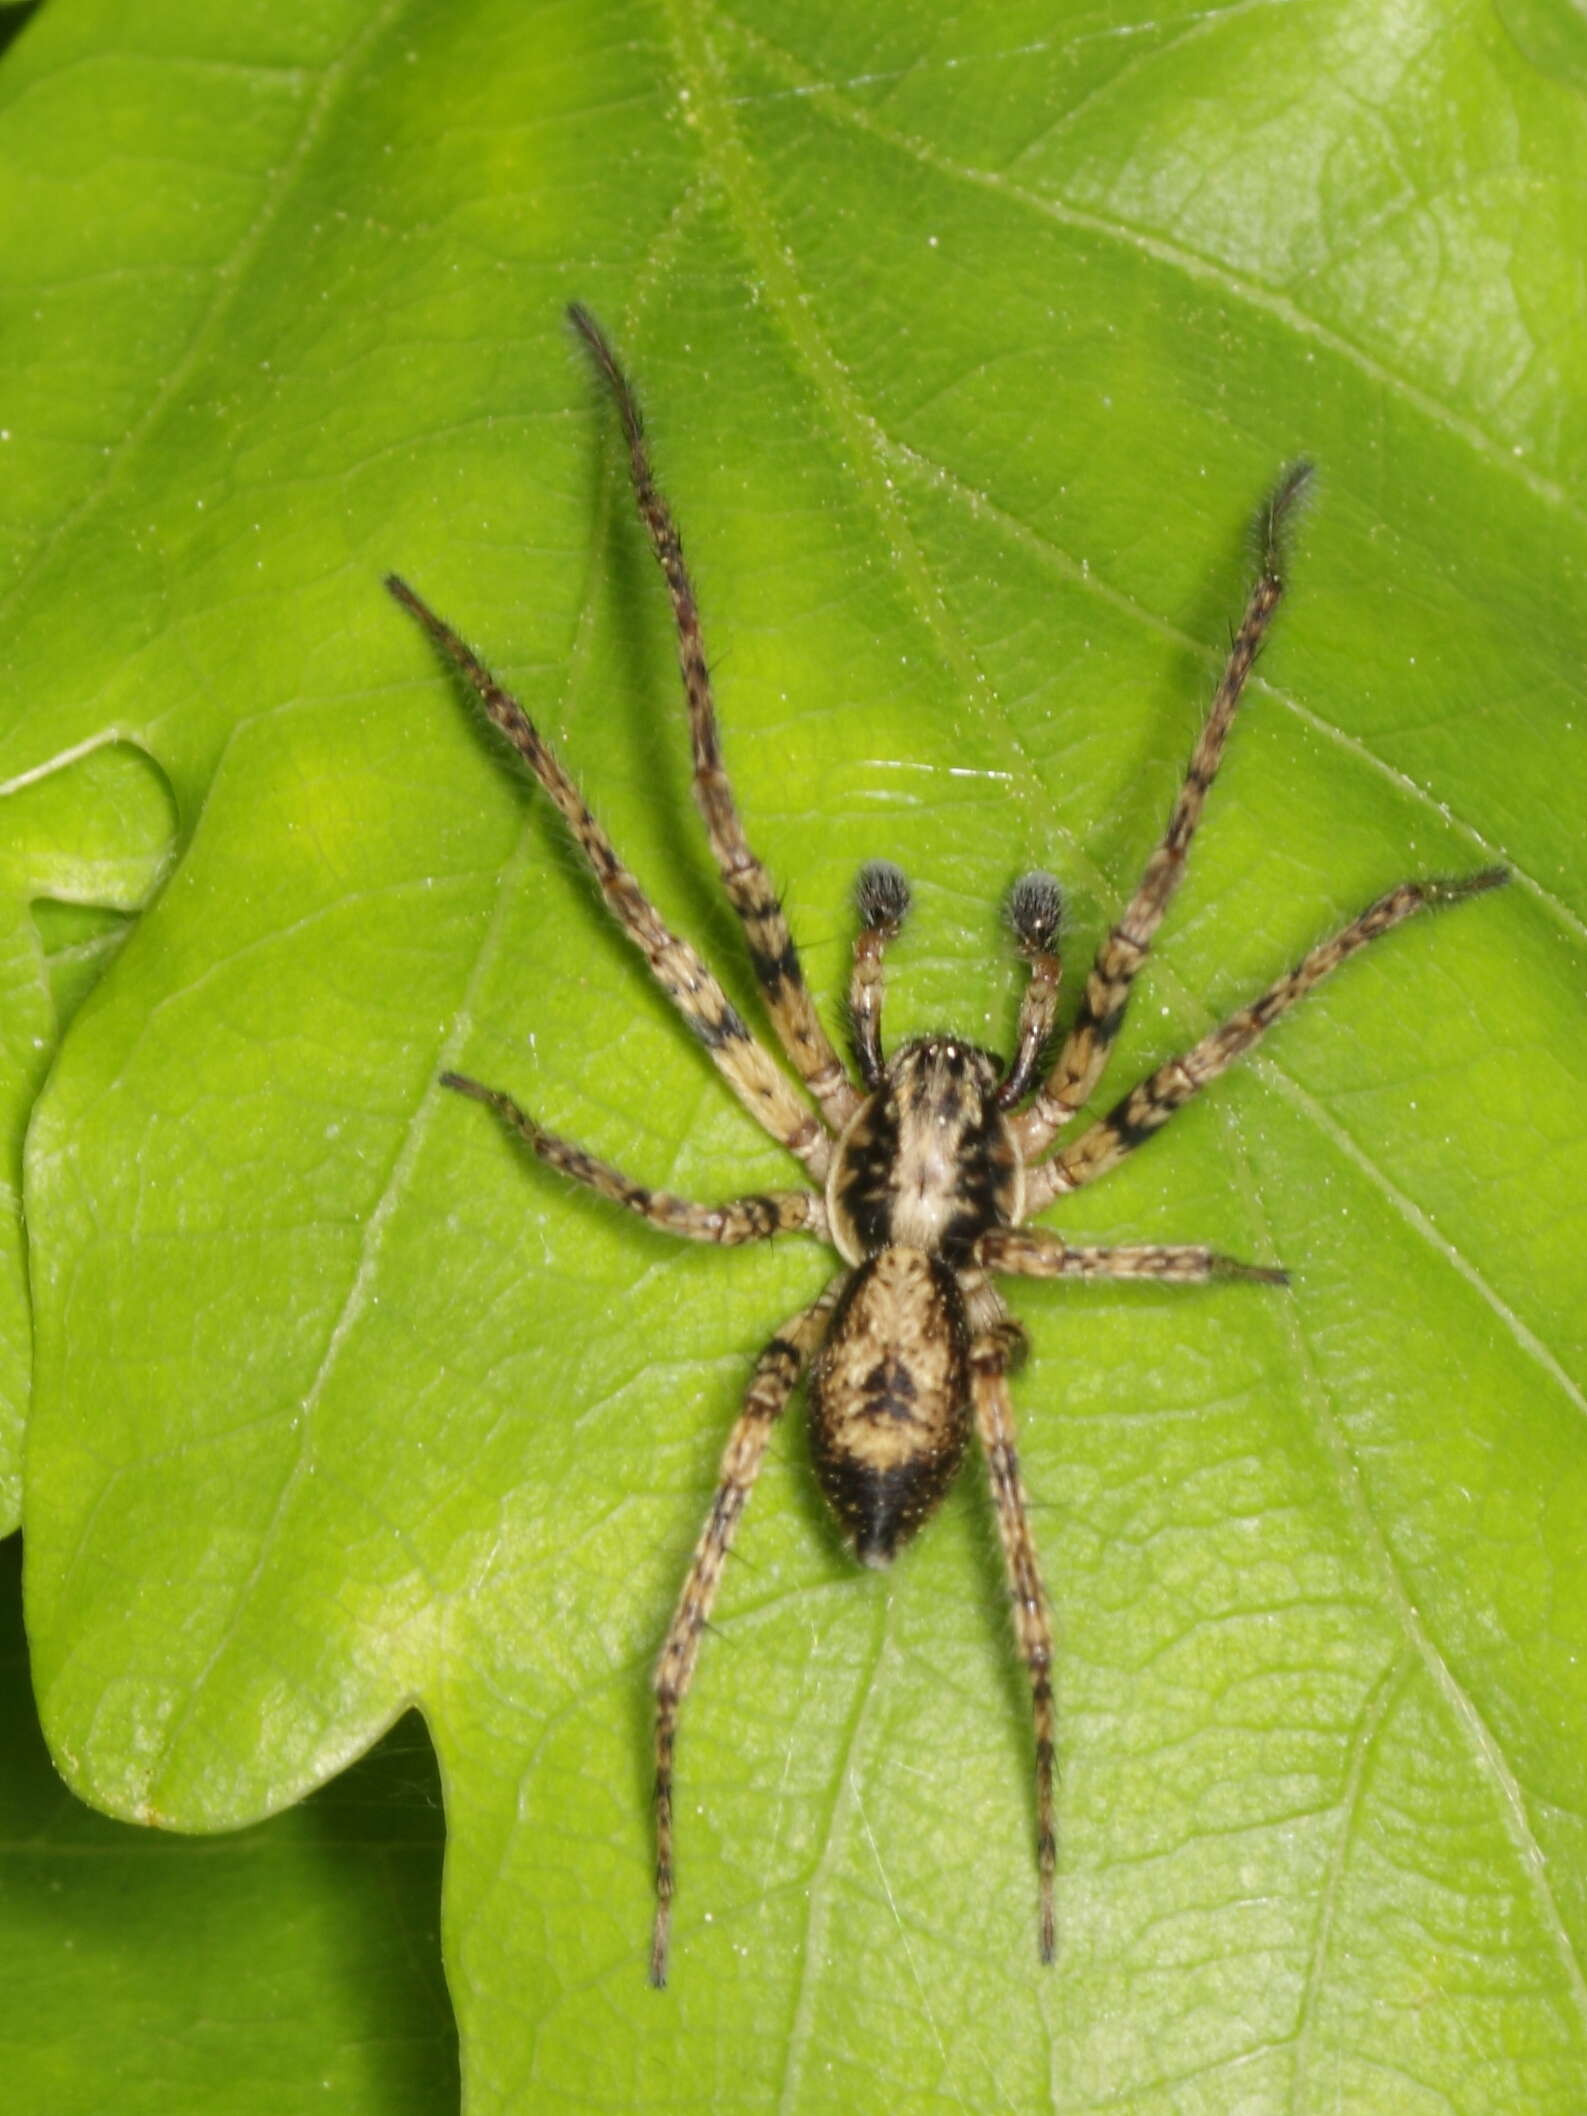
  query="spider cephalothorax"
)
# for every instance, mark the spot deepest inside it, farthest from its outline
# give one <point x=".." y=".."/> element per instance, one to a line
<point x="929" y="1159"/>
<point x="925" y="1172"/>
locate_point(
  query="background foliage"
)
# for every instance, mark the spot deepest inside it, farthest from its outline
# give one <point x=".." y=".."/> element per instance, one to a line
<point x="969" y="340"/>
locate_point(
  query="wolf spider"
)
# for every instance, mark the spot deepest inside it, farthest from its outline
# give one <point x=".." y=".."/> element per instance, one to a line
<point x="925" y="1172"/>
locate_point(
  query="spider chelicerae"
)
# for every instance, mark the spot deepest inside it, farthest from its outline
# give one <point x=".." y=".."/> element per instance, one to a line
<point x="927" y="1171"/>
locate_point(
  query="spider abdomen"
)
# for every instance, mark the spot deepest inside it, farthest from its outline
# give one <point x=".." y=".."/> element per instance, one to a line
<point x="889" y="1399"/>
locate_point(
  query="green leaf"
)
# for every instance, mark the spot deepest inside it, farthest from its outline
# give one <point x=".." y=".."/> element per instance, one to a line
<point x="308" y="1943"/>
<point x="83" y="837"/>
<point x="968" y="346"/>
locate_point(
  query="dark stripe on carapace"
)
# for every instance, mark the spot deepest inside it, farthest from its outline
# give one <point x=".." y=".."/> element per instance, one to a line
<point x="985" y="1173"/>
<point x="865" y="1195"/>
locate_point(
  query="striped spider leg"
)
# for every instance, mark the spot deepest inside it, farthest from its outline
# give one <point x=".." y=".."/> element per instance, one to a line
<point x="1147" y="1107"/>
<point x="1085" y="1050"/>
<point x="776" y="1376"/>
<point x="1083" y="1058"/>
<point x="772" y="953"/>
<point x="927" y="1169"/>
<point x="747" y="1068"/>
<point x="681" y="973"/>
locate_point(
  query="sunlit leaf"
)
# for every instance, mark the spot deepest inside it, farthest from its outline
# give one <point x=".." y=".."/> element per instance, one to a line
<point x="969" y="343"/>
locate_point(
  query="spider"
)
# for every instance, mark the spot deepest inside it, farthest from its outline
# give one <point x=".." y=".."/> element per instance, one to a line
<point x="926" y="1172"/>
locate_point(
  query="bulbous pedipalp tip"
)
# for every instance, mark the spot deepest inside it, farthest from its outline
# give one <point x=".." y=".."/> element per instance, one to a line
<point x="1035" y="911"/>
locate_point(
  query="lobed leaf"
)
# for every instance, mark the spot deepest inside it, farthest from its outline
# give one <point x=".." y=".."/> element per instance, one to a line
<point x="968" y="345"/>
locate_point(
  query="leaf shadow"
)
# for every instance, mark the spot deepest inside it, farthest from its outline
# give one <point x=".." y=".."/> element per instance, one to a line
<point x="327" y="1914"/>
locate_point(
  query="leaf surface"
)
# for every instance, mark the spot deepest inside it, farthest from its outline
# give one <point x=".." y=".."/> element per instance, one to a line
<point x="968" y="347"/>
<point x="257" y="1974"/>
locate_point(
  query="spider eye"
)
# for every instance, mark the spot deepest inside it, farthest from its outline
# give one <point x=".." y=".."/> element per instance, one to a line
<point x="881" y="897"/>
<point x="1035" y="908"/>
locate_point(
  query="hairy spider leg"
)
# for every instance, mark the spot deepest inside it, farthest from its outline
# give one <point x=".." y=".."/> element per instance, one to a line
<point x="881" y="899"/>
<point x="1035" y="908"/>
<point x="1036" y="1252"/>
<point x="994" y="1423"/>
<point x="771" y="945"/>
<point x="1085" y="1052"/>
<point x="748" y="1219"/>
<point x="776" y="1375"/>
<point x="1150" y="1105"/>
<point x="749" y="1070"/>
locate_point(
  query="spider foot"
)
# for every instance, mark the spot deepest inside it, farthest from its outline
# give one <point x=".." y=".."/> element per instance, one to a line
<point x="1278" y="509"/>
<point x="1447" y="889"/>
<point x="477" y="1091"/>
<point x="660" y="1946"/>
<point x="1259" y="1274"/>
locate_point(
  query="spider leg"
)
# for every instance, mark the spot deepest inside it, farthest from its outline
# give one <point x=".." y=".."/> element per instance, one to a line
<point x="1035" y="907"/>
<point x="682" y="974"/>
<point x="881" y="897"/>
<point x="1148" y="1107"/>
<point x="994" y="1422"/>
<point x="1036" y="1252"/>
<point x="1085" y="1052"/>
<point x="771" y="946"/>
<point x="747" y="1219"/>
<point x="776" y="1374"/>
